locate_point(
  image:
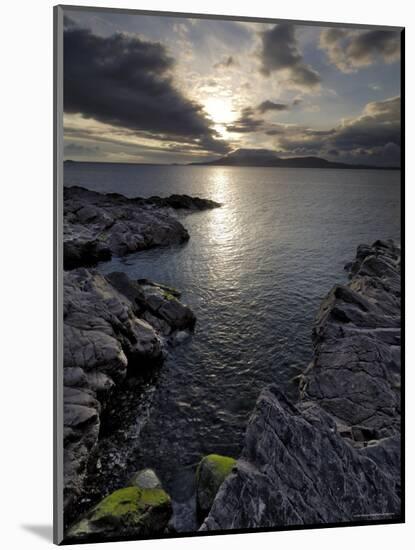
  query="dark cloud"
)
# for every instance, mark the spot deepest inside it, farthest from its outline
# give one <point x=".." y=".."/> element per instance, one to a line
<point x="226" y="62"/>
<point x="375" y="134"/>
<point x="68" y="22"/>
<point x="379" y="124"/>
<point x="280" y="53"/>
<point x="247" y="122"/>
<point x="271" y="106"/>
<point x="275" y="132"/>
<point x="351" y="49"/>
<point x="127" y="82"/>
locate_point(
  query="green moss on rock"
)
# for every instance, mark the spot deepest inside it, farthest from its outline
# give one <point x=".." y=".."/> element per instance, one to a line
<point x="127" y="511"/>
<point x="211" y="472"/>
<point x="168" y="295"/>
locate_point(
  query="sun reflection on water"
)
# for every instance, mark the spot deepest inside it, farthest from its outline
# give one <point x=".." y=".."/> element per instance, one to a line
<point x="221" y="223"/>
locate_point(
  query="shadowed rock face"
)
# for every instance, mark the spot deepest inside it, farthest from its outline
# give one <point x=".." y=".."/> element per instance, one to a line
<point x="356" y="372"/>
<point x="335" y="456"/>
<point x="97" y="226"/>
<point x="111" y="324"/>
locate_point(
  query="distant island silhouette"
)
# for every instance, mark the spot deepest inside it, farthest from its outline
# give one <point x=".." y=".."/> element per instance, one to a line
<point x="266" y="158"/>
<point x="259" y="158"/>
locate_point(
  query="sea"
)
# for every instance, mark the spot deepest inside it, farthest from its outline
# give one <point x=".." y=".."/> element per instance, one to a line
<point x="254" y="272"/>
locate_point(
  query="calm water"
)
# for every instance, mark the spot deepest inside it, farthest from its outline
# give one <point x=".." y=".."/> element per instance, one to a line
<point x="254" y="272"/>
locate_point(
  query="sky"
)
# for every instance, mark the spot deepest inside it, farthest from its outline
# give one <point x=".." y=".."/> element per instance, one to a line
<point x="158" y="89"/>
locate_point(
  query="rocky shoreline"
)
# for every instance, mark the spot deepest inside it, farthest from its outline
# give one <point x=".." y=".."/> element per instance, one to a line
<point x="335" y="455"/>
<point x="115" y="329"/>
<point x="98" y="226"/>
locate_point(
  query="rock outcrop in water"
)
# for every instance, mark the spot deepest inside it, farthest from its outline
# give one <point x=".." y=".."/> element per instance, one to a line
<point x="141" y="509"/>
<point x="211" y="472"/>
<point x="112" y="325"/>
<point x="97" y="226"/>
<point x="335" y="455"/>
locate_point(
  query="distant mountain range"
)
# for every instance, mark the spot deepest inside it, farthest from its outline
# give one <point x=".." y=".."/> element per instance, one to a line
<point x="267" y="158"/>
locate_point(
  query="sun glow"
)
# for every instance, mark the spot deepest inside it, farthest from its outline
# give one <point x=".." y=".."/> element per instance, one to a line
<point x="220" y="110"/>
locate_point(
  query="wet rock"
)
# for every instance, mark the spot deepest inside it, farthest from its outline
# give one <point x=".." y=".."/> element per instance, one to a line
<point x="130" y="512"/>
<point x="296" y="470"/>
<point x="97" y="226"/>
<point x="210" y="474"/>
<point x="106" y="335"/>
<point x="335" y="456"/>
<point x="164" y="305"/>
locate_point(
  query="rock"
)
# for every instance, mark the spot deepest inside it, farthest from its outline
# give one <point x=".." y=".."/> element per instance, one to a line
<point x="127" y="512"/>
<point x="296" y="470"/>
<point x="355" y="374"/>
<point x="164" y="305"/>
<point x="335" y="456"/>
<point x="106" y="335"/>
<point x="184" y="202"/>
<point x="77" y="253"/>
<point x="97" y="226"/>
<point x="146" y="479"/>
<point x="210" y="474"/>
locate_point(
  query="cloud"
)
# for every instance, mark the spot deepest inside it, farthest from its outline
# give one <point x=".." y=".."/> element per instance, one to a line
<point x="271" y="106"/>
<point x="374" y="135"/>
<point x="280" y="53"/>
<point x="350" y="50"/>
<point x="78" y="150"/>
<point x="378" y="125"/>
<point x="127" y="82"/>
<point x="226" y="62"/>
<point x="249" y="121"/>
<point x="246" y="122"/>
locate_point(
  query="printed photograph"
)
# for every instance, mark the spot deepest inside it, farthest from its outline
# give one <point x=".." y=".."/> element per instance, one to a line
<point x="231" y="275"/>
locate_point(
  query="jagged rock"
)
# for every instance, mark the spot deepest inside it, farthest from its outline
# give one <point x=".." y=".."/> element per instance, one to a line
<point x="335" y="456"/>
<point x="355" y="374"/>
<point x="130" y="512"/>
<point x="164" y="305"/>
<point x="296" y="470"/>
<point x="106" y="333"/>
<point x="211" y="472"/>
<point x="97" y="226"/>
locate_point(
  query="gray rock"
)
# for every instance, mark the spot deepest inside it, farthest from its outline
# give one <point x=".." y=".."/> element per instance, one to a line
<point x="355" y="374"/>
<point x="97" y="226"/>
<point x="128" y="512"/>
<point x="146" y="479"/>
<point x="295" y="469"/>
<point x="211" y="472"/>
<point x="335" y="456"/>
<point x="105" y="334"/>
